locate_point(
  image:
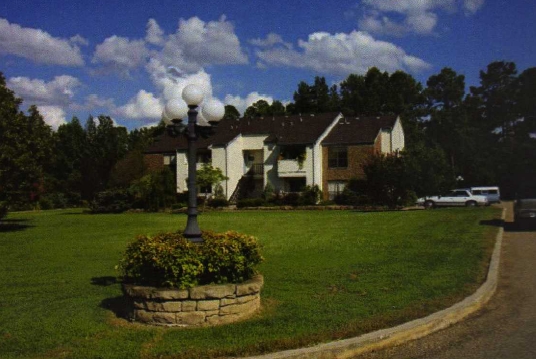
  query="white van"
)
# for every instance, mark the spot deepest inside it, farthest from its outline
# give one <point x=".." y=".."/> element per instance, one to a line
<point x="492" y="193"/>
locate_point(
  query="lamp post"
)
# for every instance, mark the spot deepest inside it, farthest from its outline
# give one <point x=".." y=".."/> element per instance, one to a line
<point x="174" y="112"/>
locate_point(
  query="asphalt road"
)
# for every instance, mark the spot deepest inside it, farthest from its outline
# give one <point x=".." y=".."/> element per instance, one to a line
<point x="505" y="328"/>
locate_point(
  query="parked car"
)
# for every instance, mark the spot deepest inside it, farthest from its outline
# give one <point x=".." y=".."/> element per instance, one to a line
<point x="492" y="192"/>
<point x="525" y="211"/>
<point x="457" y="197"/>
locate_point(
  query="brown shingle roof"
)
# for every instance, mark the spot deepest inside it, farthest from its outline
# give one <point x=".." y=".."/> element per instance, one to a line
<point x="284" y="130"/>
<point x="358" y="130"/>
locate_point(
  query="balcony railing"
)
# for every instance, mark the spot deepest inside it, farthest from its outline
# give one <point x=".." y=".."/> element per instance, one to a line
<point x="290" y="168"/>
<point x="256" y="169"/>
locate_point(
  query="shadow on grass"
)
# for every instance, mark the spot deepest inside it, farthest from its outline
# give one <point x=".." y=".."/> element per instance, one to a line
<point x="104" y="281"/>
<point x="13" y="225"/>
<point x="493" y="222"/>
<point x="117" y="305"/>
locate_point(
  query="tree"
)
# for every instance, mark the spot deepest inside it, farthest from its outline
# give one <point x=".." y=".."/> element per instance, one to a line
<point x="352" y="94"/>
<point x="231" y="113"/>
<point x="497" y="97"/>
<point x="105" y="146"/>
<point x="258" y="109"/>
<point x="69" y="147"/>
<point x="303" y="99"/>
<point x="448" y="120"/>
<point x="209" y="177"/>
<point x="277" y="109"/>
<point x="25" y="149"/>
<point x="315" y="98"/>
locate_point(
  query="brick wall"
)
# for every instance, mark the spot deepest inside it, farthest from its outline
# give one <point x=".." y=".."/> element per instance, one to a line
<point x="154" y="162"/>
<point x="357" y="155"/>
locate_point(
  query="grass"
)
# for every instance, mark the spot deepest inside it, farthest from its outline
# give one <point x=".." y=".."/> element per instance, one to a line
<point x="328" y="275"/>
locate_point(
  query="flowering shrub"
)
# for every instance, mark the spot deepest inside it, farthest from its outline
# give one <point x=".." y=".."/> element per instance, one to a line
<point x="170" y="260"/>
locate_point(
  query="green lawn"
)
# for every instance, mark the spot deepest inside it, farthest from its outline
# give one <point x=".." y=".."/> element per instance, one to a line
<point x="328" y="275"/>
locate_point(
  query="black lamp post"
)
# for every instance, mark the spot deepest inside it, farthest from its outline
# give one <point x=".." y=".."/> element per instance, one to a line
<point x="174" y="112"/>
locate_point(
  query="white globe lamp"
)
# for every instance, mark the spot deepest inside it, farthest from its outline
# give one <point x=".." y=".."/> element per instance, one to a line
<point x="213" y="111"/>
<point x="193" y="95"/>
<point x="175" y="110"/>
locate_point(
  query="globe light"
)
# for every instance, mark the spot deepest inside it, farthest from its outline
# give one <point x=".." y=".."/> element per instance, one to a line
<point x="175" y="110"/>
<point x="166" y="119"/>
<point x="213" y="111"/>
<point x="193" y="95"/>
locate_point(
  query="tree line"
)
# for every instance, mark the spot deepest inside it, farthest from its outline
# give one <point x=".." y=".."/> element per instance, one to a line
<point x="453" y="138"/>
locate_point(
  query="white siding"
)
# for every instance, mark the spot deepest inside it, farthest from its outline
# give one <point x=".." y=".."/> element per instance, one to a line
<point x="253" y="142"/>
<point x="393" y="139"/>
<point x="182" y="171"/>
<point x="398" y="139"/>
<point x="317" y="154"/>
<point x="235" y="165"/>
<point x="271" y="153"/>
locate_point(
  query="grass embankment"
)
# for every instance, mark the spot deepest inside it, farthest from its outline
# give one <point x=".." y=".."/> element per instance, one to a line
<point x="328" y="274"/>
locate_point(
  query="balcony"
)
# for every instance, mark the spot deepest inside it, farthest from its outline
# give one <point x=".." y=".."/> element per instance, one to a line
<point x="255" y="170"/>
<point x="290" y="168"/>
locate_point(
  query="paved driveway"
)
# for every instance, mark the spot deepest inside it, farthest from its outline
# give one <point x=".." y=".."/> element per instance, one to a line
<point x="505" y="328"/>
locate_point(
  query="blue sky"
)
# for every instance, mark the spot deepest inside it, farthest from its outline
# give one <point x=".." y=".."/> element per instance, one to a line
<point x="125" y="59"/>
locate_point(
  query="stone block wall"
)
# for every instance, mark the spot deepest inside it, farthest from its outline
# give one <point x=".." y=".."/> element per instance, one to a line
<point x="198" y="306"/>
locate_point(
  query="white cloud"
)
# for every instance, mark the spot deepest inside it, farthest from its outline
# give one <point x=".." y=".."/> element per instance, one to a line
<point x="155" y="35"/>
<point x="272" y="39"/>
<point x="143" y="106"/>
<point x="171" y="82"/>
<point x="193" y="46"/>
<point x="59" y="91"/>
<point x="197" y="44"/>
<point x="242" y="104"/>
<point x="121" y="54"/>
<point x="77" y="39"/>
<point x="38" y="46"/>
<point x="342" y="54"/>
<point x="418" y="16"/>
<point x="472" y="6"/>
<point x="53" y="115"/>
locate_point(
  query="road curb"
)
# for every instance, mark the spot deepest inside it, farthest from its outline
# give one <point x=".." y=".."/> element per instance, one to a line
<point x="415" y="329"/>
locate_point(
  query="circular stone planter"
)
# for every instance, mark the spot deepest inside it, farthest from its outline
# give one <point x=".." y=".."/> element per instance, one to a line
<point x="205" y="305"/>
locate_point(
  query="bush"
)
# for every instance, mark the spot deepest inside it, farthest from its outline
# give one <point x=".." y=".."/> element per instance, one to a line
<point x="154" y="191"/>
<point x="250" y="202"/>
<point x="3" y="209"/>
<point x="179" y="205"/>
<point x="291" y="199"/>
<point x="170" y="260"/>
<point x="218" y="202"/>
<point x="310" y="196"/>
<point x="53" y="200"/>
<point x="113" y="201"/>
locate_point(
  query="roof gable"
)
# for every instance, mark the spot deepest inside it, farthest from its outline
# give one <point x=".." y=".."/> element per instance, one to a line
<point x="351" y="130"/>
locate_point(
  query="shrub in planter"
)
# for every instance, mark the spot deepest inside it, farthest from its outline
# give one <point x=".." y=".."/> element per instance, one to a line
<point x="170" y="260"/>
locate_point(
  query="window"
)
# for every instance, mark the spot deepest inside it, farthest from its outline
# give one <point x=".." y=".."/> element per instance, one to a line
<point x="204" y="156"/>
<point x="169" y="160"/>
<point x="335" y="188"/>
<point x="338" y="157"/>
